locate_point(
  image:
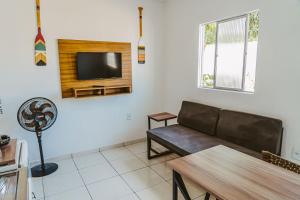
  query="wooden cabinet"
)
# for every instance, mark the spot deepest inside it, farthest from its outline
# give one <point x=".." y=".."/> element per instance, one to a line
<point x="72" y="87"/>
<point x="101" y="91"/>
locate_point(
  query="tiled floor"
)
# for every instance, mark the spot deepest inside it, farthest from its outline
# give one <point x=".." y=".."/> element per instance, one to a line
<point x="117" y="174"/>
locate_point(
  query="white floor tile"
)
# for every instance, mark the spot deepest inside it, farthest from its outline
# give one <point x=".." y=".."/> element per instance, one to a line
<point x="110" y="189"/>
<point x="158" y="147"/>
<point x="61" y="182"/>
<point x="97" y="173"/>
<point x="142" y="179"/>
<point x="203" y="197"/>
<point x="103" y="181"/>
<point x="75" y="194"/>
<point x="143" y="157"/>
<point x="163" y="170"/>
<point x="193" y="189"/>
<point x="117" y="154"/>
<point x="162" y="191"/>
<point x="89" y="160"/>
<point x="129" y="197"/>
<point x="138" y="147"/>
<point x="65" y="166"/>
<point x="37" y="187"/>
<point x="127" y="165"/>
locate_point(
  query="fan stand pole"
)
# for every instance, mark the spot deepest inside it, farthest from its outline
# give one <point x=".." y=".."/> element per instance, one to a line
<point x="39" y="137"/>
<point x="43" y="169"/>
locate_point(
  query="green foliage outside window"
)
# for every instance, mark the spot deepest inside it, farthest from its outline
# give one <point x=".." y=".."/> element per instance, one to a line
<point x="210" y="33"/>
<point x="253" y="26"/>
<point x="210" y="29"/>
<point x="208" y="80"/>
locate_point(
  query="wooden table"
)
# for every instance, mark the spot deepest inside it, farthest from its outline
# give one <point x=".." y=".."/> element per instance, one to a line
<point x="159" y="117"/>
<point x="231" y="175"/>
<point x="8" y="153"/>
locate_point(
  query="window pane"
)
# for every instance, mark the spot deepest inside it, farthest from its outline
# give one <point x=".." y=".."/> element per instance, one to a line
<point x="230" y="53"/>
<point x="208" y="54"/>
<point x="252" y="51"/>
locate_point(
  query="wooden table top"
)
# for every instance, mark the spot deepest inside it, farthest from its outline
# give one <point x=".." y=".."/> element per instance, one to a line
<point x="8" y="153"/>
<point x="232" y="175"/>
<point x="162" y="116"/>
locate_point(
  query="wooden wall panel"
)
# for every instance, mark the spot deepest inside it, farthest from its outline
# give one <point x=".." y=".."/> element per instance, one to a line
<point x="68" y="70"/>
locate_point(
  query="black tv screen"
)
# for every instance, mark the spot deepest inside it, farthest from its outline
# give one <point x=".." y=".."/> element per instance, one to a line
<point x="99" y="65"/>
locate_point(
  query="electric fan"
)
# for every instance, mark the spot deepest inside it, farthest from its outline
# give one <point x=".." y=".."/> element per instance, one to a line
<point x="37" y="115"/>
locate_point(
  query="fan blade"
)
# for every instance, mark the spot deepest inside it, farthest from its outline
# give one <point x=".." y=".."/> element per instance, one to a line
<point x="43" y="106"/>
<point x="27" y="116"/>
<point x="30" y="125"/>
<point x="49" y="114"/>
<point x="32" y="107"/>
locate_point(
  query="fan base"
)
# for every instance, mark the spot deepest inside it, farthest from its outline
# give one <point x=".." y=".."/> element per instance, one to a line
<point x="37" y="171"/>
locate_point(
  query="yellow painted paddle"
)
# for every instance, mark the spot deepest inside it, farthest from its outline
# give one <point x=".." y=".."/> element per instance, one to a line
<point x="141" y="45"/>
<point x="39" y="44"/>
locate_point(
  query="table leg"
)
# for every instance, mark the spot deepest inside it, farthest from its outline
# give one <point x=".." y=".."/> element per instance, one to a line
<point x="175" y="191"/>
<point x="178" y="183"/>
<point x="166" y="122"/>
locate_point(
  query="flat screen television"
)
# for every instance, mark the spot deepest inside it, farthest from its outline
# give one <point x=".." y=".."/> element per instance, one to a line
<point x="91" y="66"/>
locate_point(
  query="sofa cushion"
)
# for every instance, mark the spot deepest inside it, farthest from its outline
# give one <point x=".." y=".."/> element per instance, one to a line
<point x="185" y="141"/>
<point x="199" y="117"/>
<point x="251" y="131"/>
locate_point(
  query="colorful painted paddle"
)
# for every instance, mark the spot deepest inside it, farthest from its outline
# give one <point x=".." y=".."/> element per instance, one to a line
<point x="40" y="45"/>
<point x="141" y="45"/>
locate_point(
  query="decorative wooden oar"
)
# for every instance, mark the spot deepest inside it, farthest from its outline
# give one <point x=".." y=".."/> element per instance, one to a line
<point x="40" y="44"/>
<point x="141" y="45"/>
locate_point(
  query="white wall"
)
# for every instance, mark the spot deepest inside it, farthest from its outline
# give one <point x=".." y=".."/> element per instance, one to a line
<point x="278" y="72"/>
<point x="86" y="123"/>
<point x="169" y="76"/>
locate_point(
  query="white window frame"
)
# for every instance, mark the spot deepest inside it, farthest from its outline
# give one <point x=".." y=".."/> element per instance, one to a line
<point x="201" y="48"/>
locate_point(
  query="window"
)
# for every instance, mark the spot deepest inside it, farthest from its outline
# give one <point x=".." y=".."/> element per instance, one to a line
<point x="228" y="50"/>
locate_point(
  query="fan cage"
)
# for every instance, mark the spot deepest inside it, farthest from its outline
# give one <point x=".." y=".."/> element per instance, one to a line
<point x="39" y="102"/>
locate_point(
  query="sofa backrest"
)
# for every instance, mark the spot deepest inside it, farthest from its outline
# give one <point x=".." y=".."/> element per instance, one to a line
<point x="199" y="117"/>
<point x="251" y="131"/>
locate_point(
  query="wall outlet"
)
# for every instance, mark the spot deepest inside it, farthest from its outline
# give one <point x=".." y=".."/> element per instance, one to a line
<point x="128" y="116"/>
<point x="296" y="154"/>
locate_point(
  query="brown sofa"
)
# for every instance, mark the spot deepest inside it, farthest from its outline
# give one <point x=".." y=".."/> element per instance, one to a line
<point x="201" y="127"/>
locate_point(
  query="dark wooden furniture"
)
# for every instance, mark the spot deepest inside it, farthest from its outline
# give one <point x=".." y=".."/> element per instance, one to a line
<point x="71" y="86"/>
<point x="201" y="127"/>
<point x="8" y="153"/>
<point x="231" y="175"/>
<point x="159" y="117"/>
<point x="277" y="160"/>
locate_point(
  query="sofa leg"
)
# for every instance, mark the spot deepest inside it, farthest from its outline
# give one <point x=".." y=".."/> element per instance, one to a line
<point x="149" y="148"/>
<point x="207" y="196"/>
<point x="157" y="154"/>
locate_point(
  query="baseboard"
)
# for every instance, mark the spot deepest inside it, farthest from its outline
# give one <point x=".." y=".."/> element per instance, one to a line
<point x="72" y="155"/>
<point x="122" y="144"/>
